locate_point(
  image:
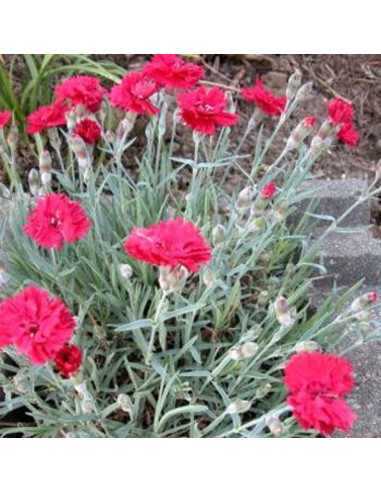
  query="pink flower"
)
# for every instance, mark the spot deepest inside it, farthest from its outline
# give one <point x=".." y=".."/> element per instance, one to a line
<point x="268" y="102"/>
<point x="82" y="90"/>
<point x="372" y="297"/>
<point x="68" y="360"/>
<point x="47" y="117"/>
<point x="173" y="72"/>
<point x="309" y="121"/>
<point x="133" y="94"/>
<point x="348" y="134"/>
<point x="203" y="110"/>
<point x="318" y="383"/>
<point x="56" y="219"/>
<point x="36" y="324"/>
<point x="173" y="243"/>
<point x="89" y="130"/>
<point x="340" y="111"/>
<point x="268" y="191"/>
<point x="5" y="116"/>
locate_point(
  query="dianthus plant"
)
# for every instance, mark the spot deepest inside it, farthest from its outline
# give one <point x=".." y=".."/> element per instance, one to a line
<point x="145" y="293"/>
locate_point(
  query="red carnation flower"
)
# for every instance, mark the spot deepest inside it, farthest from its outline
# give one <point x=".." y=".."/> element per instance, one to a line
<point x="317" y="383"/>
<point x="172" y="243"/>
<point x="89" y="130"/>
<point x="372" y="297"/>
<point x="35" y="323"/>
<point x="68" y="360"/>
<point x="56" y="219"/>
<point x="309" y="121"/>
<point x="82" y="89"/>
<point x="348" y="134"/>
<point x="268" y="191"/>
<point x="47" y="117"/>
<point x="5" y="116"/>
<point x="340" y="111"/>
<point x="266" y="100"/>
<point x="133" y="94"/>
<point x="173" y="72"/>
<point x="202" y="110"/>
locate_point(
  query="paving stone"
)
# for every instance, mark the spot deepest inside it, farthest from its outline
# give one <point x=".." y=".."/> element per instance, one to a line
<point x="349" y="257"/>
<point x="334" y="198"/>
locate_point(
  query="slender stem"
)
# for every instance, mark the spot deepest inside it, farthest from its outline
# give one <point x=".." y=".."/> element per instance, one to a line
<point x="155" y="327"/>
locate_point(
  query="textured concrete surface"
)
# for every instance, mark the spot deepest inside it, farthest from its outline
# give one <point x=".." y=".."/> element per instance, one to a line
<point x="349" y="257"/>
<point x="334" y="198"/>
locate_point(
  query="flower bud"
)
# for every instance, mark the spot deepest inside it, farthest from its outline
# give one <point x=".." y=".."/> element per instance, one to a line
<point x="21" y="382"/>
<point x="71" y="121"/>
<point x="45" y="162"/>
<point x="325" y="129"/>
<point x="13" y="137"/>
<point x="305" y="92"/>
<point x="88" y="406"/>
<point x="46" y="180"/>
<point x="4" y="192"/>
<point x="318" y="145"/>
<point x="274" y="424"/>
<point x="208" y="277"/>
<point x="283" y="313"/>
<point x="248" y="349"/>
<point x="218" y="234"/>
<point x="124" y="128"/>
<point x="54" y="138"/>
<point x="34" y="182"/>
<point x="300" y="133"/>
<point x="360" y="305"/>
<point x="263" y="298"/>
<point x="125" y="403"/>
<point x="262" y="391"/>
<point x="308" y="345"/>
<point x="256" y="225"/>
<point x="239" y="406"/>
<point x="245" y="199"/>
<point x="172" y="279"/>
<point x="293" y="84"/>
<point x="81" y="153"/>
<point x="125" y="271"/>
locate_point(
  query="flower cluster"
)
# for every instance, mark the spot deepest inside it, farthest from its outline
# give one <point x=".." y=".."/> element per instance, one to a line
<point x="172" y="72"/>
<point x="317" y="383"/>
<point x="341" y="113"/>
<point x="75" y="91"/>
<point x="264" y="99"/>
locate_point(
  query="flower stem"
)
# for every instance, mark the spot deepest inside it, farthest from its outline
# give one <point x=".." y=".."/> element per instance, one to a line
<point x="155" y="328"/>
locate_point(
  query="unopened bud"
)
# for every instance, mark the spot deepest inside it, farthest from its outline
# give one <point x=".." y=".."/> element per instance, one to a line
<point x="125" y="271"/>
<point x="218" y="234"/>
<point x="293" y="84"/>
<point x="256" y="225"/>
<point x="248" y="349"/>
<point x="283" y="313"/>
<point x="262" y="391"/>
<point x="172" y="280"/>
<point x="208" y="277"/>
<point x="88" y="406"/>
<point x="125" y="403"/>
<point x="45" y="162"/>
<point x="319" y="145"/>
<point x="124" y="128"/>
<point x="34" y="182"/>
<point x="245" y="199"/>
<point x="263" y="297"/>
<point x="4" y="191"/>
<point x="308" y="345"/>
<point x="300" y="133"/>
<point x="275" y="425"/>
<point x="326" y="129"/>
<point x="21" y="382"/>
<point x="360" y="305"/>
<point x="81" y="153"/>
<point x="240" y="406"/>
<point x="46" y="180"/>
<point x="13" y="137"/>
<point x="305" y="92"/>
<point x="71" y="121"/>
